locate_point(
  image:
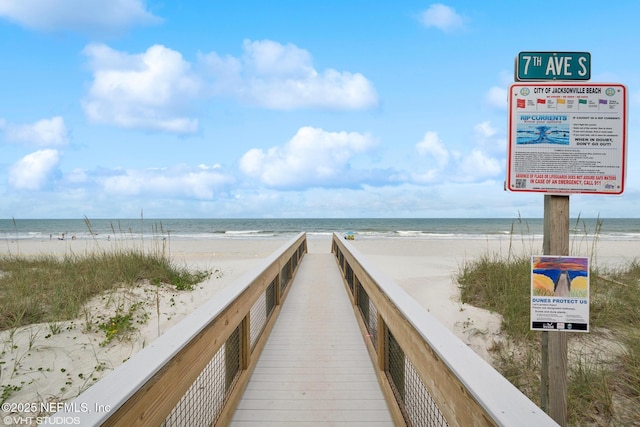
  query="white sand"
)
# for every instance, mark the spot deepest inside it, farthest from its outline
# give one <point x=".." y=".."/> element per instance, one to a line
<point x="50" y="366"/>
<point x="52" y="363"/>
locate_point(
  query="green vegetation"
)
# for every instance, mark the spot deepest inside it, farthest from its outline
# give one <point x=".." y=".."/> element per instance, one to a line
<point x="47" y="288"/>
<point x="122" y="323"/>
<point x="56" y="290"/>
<point x="604" y="365"/>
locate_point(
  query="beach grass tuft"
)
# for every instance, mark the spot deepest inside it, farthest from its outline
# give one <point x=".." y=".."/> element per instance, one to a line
<point x="46" y="288"/>
<point x="604" y="370"/>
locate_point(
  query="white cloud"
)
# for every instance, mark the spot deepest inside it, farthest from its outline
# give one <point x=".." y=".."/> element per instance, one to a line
<point x="32" y="171"/>
<point x="43" y="133"/>
<point x="152" y="90"/>
<point x="201" y="182"/>
<point x="484" y="130"/>
<point x="431" y="145"/>
<point x="456" y="166"/>
<point x="147" y="90"/>
<point x="313" y="157"/>
<point x="77" y="15"/>
<point x="442" y="17"/>
<point x="497" y="97"/>
<point x="490" y="138"/>
<point x="478" y="165"/>
<point x="282" y="77"/>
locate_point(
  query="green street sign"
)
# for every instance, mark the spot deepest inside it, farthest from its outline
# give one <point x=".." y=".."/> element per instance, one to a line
<point x="543" y="66"/>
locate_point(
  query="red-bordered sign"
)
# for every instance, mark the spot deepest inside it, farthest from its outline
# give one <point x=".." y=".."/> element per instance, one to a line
<point x="567" y="138"/>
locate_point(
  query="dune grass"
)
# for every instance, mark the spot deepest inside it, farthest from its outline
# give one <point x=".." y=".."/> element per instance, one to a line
<point x="47" y="288"/>
<point x="54" y="289"/>
<point x="604" y="368"/>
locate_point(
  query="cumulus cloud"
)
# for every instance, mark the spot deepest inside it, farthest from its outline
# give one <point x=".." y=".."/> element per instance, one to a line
<point x="148" y="90"/>
<point x="201" y="182"/>
<point x="458" y="167"/>
<point x="313" y="157"/>
<point x="497" y="97"/>
<point x="77" y="15"/>
<point x="490" y="138"/>
<point x="43" y="133"/>
<point x="442" y="17"/>
<point x="282" y="77"/>
<point x="34" y="170"/>
<point x="432" y="146"/>
<point x="478" y="165"/>
<point x="485" y="130"/>
<point x="152" y="90"/>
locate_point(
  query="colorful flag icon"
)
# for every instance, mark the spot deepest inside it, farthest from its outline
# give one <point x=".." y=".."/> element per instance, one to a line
<point x="582" y="101"/>
<point x="542" y="101"/>
<point x="562" y="101"/>
<point x="602" y="101"/>
<point x="521" y="103"/>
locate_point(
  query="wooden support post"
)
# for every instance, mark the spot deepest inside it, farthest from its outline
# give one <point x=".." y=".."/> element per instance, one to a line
<point x="381" y="341"/>
<point x="554" y="344"/>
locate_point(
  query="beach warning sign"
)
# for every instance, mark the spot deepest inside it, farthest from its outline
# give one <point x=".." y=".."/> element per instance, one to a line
<point x="567" y="138"/>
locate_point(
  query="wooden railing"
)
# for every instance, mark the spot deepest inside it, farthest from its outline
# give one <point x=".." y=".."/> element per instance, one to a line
<point x="196" y="372"/>
<point x="428" y="375"/>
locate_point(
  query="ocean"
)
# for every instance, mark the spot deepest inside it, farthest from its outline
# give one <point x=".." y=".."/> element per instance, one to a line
<point x="392" y="228"/>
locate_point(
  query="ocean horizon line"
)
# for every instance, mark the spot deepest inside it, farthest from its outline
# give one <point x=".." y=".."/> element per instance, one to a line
<point x="230" y="228"/>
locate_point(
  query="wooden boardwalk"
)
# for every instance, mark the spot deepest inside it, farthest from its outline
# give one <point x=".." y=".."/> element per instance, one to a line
<point x="314" y="369"/>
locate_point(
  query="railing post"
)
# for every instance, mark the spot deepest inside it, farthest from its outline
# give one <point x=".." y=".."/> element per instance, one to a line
<point x="245" y="342"/>
<point x="277" y="290"/>
<point x="356" y="291"/>
<point x="381" y="340"/>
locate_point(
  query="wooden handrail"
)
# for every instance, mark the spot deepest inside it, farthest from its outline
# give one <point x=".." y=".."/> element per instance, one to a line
<point x="145" y="389"/>
<point x="466" y="389"/>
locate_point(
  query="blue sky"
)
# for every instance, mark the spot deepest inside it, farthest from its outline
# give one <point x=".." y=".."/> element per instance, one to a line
<point x="285" y="108"/>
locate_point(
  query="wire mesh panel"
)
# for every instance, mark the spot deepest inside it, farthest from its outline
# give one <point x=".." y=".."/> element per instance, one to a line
<point x="260" y="313"/>
<point x="270" y="296"/>
<point x="349" y="277"/>
<point x="203" y="402"/>
<point x="415" y="401"/>
<point x="369" y="313"/>
<point x="285" y="276"/>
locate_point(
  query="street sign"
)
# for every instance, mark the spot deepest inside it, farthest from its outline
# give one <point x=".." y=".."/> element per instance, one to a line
<point x="544" y="66"/>
<point x="567" y="138"/>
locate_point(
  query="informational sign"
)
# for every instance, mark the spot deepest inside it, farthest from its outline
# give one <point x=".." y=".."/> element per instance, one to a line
<point x="559" y="293"/>
<point x="567" y="138"/>
<point x="553" y="66"/>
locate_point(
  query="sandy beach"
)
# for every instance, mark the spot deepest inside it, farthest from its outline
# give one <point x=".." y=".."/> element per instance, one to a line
<point x="50" y="363"/>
